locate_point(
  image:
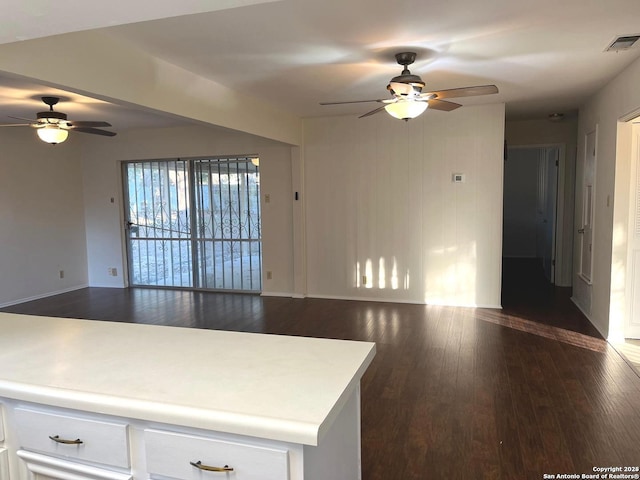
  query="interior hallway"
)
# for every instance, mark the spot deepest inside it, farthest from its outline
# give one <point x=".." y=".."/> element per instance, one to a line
<point x="453" y="392"/>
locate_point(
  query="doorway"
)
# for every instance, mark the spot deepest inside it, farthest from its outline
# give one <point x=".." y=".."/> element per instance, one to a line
<point x="530" y="206"/>
<point x="194" y="223"/>
<point x="530" y="231"/>
<point x="632" y="287"/>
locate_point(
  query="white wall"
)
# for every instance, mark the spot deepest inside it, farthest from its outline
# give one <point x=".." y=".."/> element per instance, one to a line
<point x="102" y="181"/>
<point x="380" y="202"/>
<point x="376" y="189"/>
<point x="42" y="227"/>
<point x="602" y="300"/>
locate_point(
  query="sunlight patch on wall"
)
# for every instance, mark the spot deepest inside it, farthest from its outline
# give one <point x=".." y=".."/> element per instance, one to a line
<point x="368" y="271"/>
<point x="385" y="277"/>
<point x="394" y="274"/>
<point x="382" y="282"/>
<point x="452" y="280"/>
<point x="618" y="307"/>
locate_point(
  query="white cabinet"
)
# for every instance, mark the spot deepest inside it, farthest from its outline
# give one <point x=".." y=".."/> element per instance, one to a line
<point x="4" y="456"/>
<point x="67" y="445"/>
<point x="4" y="464"/>
<point x="44" y="442"/>
<point x="45" y="467"/>
<point x="59" y="445"/>
<point x="190" y="457"/>
<point x="72" y="436"/>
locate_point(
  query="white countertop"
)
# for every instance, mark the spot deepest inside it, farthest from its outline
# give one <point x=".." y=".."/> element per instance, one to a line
<point x="269" y="386"/>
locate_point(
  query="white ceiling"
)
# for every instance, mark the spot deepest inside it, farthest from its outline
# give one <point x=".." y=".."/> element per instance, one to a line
<point x="22" y="98"/>
<point x="544" y="56"/>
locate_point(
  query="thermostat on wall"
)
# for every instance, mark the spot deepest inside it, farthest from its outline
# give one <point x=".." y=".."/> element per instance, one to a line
<point x="457" y="178"/>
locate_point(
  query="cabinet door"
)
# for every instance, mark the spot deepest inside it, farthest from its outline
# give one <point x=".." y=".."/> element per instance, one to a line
<point x="190" y="457"/>
<point x="4" y="464"/>
<point x="43" y="467"/>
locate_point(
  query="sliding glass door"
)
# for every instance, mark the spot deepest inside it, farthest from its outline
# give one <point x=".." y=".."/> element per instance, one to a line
<point x="227" y="216"/>
<point x="194" y="223"/>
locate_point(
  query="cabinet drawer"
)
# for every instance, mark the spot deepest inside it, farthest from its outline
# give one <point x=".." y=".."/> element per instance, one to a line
<point x="172" y="454"/>
<point x="90" y="440"/>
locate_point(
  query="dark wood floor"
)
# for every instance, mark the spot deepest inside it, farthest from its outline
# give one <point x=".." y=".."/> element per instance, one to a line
<point x="453" y="393"/>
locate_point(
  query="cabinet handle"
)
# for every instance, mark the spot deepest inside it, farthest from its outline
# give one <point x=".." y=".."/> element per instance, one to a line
<point x="208" y="468"/>
<point x="57" y="439"/>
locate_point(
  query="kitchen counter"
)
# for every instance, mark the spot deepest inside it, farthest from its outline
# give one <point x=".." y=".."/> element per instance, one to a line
<point x="277" y="387"/>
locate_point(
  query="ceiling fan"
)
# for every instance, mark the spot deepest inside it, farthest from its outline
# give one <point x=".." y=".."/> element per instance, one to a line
<point x="408" y="100"/>
<point x="53" y="127"/>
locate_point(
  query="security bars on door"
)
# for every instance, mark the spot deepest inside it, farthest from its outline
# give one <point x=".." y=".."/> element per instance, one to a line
<point x="194" y="223"/>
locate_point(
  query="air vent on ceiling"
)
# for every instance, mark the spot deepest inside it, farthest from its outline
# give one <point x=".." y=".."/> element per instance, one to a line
<point x="622" y="43"/>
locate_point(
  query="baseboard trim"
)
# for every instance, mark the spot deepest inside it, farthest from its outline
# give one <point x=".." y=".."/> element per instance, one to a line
<point x="277" y="294"/>
<point x="44" y="295"/>
<point x="362" y="299"/>
<point x="396" y="300"/>
<point x="468" y="305"/>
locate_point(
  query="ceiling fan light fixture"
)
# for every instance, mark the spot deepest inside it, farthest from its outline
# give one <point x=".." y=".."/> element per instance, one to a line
<point x="406" y="109"/>
<point x="404" y="89"/>
<point x="52" y="134"/>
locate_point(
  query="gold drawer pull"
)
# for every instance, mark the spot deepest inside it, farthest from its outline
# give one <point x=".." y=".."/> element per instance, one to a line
<point x="199" y="465"/>
<point x="57" y="439"/>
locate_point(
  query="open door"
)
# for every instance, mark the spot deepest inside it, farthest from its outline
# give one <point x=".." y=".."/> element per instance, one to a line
<point x="548" y="176"/>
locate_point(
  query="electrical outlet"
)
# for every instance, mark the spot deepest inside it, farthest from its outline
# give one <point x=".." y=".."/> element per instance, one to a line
<point x="61" y="273"/>
<point x="267" y="198"/>
<point x="364" y="279"/>
<point x="113" y="271"/>
<point x="269" y="275"/>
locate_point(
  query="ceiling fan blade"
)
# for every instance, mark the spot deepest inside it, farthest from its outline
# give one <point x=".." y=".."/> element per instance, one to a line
<point x="442" y="105"/>
<point x="353" y="101"/>
<point x="15" y="124"/>
<point x="373" y="112"/>
<point x="94" y="131"/>
<point x="88" y="124"/>
<point x="25" y="119"/>
<point x="466" y="91"/>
